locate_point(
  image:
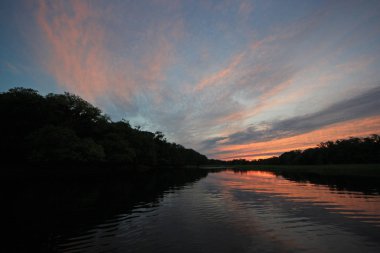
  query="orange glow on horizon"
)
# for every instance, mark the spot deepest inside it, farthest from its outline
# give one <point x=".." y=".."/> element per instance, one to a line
<point x="358" y="127"/>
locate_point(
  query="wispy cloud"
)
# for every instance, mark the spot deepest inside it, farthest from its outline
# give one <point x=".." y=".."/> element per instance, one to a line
<point x="80" y="57"/>
<point x="218" y="76"/>
<point x="11" y="68"/>
<point x="221" y="75"/>
<point x="77" y="58"/>
<point x="245" y="8"/>
<point x="361" y="106"/>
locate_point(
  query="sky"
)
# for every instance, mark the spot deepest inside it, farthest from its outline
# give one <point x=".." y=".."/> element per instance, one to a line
<point x="229" y="78"/>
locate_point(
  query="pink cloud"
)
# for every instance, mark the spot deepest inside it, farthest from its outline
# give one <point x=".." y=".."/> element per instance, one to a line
<point x="81" y="60"/>
<point x="220" y="75"/>
<point x="77" y="59"/>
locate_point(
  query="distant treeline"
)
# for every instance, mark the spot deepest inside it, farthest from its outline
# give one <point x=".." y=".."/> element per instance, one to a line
<point x="65" y="129"/>
<point x="353" y="150"/>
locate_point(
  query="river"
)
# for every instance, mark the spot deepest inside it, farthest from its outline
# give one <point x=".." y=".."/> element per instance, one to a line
<point x="224" y="211"/>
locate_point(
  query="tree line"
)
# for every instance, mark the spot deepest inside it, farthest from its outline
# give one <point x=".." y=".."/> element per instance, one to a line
<point x="353" y="150"/>
<point x="65" y="129"/>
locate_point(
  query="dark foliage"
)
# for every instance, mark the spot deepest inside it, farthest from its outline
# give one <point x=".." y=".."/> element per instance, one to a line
<point x="65" y="128"/>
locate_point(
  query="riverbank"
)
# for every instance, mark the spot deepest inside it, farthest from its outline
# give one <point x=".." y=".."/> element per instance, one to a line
<point x="361" y="170"/>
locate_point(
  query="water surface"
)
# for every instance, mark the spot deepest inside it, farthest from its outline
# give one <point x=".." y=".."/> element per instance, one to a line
<point x="222" y="212"/>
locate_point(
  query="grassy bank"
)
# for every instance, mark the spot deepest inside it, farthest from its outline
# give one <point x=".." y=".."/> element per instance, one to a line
<point x="362" y="170"/>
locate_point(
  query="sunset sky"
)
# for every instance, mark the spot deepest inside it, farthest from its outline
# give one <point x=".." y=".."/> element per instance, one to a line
<point x="228" y="78"/>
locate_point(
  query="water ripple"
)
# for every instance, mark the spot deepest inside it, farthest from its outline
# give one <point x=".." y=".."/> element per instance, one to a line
<point x="241" y="212"/>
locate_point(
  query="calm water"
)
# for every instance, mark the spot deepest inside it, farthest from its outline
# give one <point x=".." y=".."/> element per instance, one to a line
<point x="203" y="212"/>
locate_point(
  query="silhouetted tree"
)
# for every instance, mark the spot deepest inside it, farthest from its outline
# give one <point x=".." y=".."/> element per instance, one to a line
<point x="65" y="128"/>
<point x="60" y="144"/>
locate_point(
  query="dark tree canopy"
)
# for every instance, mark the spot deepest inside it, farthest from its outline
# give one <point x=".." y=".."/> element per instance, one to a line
<point x="65" y="128"/>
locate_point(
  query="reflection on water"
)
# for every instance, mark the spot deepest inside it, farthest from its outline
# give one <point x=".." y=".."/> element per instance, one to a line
<point x="227" y="211"/>
<point x="350" y="203"/>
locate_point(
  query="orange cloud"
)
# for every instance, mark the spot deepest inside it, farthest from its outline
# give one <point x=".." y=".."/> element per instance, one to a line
<point x="357" y="127"/>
